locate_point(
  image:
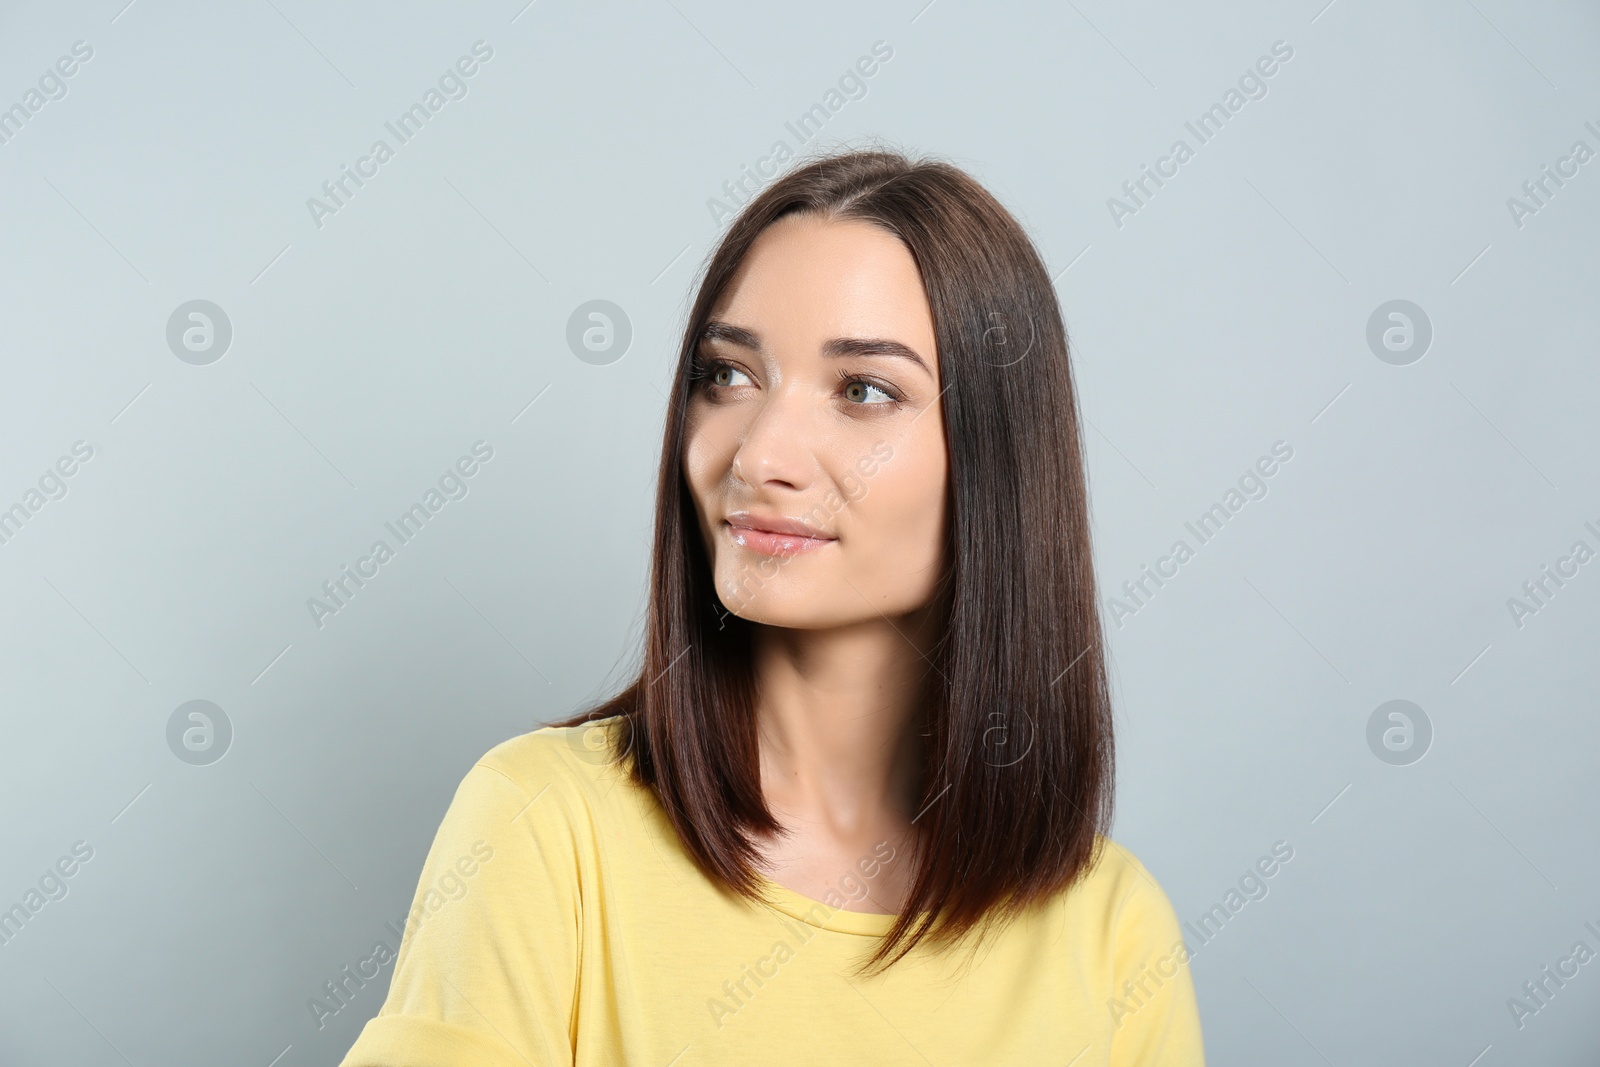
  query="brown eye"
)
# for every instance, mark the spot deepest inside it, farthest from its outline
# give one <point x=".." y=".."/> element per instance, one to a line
<point x="723" y="373"/>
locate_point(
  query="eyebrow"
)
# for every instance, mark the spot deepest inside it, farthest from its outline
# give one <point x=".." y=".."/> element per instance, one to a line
<point x="716" y="330"/>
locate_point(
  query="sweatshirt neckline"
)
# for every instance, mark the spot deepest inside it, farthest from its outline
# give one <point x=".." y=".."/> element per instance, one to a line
<point x="596" y="735"/>
<point x="822" y="915"/>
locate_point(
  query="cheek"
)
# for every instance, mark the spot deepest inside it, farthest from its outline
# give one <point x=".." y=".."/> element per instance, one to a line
<point x="703" y="465"/>
<point x="902" y="510"/>
<point x="709" y="443"/>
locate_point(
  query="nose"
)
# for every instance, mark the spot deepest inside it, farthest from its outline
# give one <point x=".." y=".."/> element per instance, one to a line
<point x="778" y="447"/>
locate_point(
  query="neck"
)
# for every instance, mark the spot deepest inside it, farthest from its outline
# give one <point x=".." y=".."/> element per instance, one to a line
<point x="839" y="717"/>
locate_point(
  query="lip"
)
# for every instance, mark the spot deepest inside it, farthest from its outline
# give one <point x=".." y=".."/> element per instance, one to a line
<point x="774" y="535"/>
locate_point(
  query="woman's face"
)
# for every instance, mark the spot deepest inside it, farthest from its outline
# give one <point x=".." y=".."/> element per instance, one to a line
<point x="814" y="447"/>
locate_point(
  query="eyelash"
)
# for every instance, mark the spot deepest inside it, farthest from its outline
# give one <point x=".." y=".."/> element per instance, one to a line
<point x="702" y="370"/>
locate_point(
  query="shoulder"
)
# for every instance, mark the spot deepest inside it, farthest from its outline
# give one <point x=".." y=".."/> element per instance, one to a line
<point x="1151" y="996"/>
<point x="562" y="757"/>
<point x="1123" y="898"/>
<point x="531" y="804"/>
<point x="1118" y="870"/>
<point x="561" y="774"/>
<point x="491" y="951"/>
<point x="546" y="777"/>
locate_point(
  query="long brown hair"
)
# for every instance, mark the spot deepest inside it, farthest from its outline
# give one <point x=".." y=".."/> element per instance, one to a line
<point x="1018" y="775"/>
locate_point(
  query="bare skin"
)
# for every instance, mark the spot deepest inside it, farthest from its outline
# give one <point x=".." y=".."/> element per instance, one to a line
<point x="838" y="766"/>
<point x="775" y="433"/>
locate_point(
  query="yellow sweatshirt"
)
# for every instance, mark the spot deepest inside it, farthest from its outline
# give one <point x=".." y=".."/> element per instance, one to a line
<point x="559" y="920"/>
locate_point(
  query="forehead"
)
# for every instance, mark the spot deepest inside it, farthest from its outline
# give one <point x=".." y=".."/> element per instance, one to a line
<point x="806" y="280"/>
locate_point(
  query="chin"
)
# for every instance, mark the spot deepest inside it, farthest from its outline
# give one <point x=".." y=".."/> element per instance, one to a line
<point x="769" y="610"/>
<point x="797" y="606"/>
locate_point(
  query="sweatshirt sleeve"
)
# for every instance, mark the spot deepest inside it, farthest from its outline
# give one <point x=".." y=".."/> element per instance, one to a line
<point x="1155" y="1018"/>
<point x="487" y="970"/>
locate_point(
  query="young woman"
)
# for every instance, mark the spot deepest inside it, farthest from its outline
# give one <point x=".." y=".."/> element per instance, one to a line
<point x="854" y="806"/>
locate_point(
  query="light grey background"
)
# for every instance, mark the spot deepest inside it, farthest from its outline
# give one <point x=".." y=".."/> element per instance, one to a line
<point x="369" y="353"/>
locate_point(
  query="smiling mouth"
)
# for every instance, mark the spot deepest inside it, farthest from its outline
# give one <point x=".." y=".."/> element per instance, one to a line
<point x="773" y="542"/>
